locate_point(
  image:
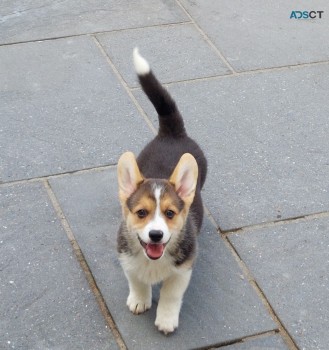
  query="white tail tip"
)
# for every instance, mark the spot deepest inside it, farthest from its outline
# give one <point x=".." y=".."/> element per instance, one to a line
<point x="141" y="65"/>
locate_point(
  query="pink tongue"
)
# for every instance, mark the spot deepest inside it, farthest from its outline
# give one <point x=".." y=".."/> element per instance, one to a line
<point x="154" y="251"/>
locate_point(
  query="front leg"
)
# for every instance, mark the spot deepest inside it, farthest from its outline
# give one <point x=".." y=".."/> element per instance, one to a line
<point x="140" y="295"/>
<point x="170" y="302"/>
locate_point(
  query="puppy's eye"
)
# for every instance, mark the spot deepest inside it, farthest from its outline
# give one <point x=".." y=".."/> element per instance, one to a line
<point x="142" y="213"/>
<point x="169" y="214"/>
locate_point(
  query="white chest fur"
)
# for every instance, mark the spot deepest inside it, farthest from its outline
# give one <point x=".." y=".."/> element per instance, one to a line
<point x="146" y="270"/>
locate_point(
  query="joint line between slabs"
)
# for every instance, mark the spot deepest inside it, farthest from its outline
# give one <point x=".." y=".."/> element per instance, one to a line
<point x="276" y="223"/>
<point x="59" y="175"/>
<point x="242" y="340"/>
<point x="157" y="25"/>
<point x="85" y="267"/>
<point x="252" y="281"/>
<point x="125" y="85"/>
<point x="265" y="225"/>
<point x="110" y="31"/>
<point x="207" y="39"/>
<point x="242" y="73"/>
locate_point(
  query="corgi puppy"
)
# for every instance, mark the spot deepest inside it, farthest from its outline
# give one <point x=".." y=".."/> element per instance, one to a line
<point x="161" y="207"/>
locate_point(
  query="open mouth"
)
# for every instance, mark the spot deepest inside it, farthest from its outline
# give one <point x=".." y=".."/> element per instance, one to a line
<point x="153" y="250"/>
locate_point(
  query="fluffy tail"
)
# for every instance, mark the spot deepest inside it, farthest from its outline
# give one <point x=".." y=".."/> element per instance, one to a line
<point x="170" y="121"/>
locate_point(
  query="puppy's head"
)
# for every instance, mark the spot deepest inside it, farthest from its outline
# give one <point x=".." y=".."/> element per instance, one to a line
<point x="155" y="210"/>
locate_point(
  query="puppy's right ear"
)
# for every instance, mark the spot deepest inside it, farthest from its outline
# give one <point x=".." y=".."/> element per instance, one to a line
<point x="129" y="175"/>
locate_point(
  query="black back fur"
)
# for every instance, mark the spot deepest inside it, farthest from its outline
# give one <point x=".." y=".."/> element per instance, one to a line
<point x="160" y="157"/>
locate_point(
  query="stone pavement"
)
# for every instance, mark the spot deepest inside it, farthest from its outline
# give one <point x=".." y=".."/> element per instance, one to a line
<point x="252" y="85"/>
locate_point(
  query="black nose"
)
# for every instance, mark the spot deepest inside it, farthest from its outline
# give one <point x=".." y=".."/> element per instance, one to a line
<point x="156" y="235"/>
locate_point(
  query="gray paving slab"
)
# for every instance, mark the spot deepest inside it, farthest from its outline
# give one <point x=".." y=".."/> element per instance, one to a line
<point x="274" y="342"/>
<point x="258" y="35"/>
<point x="291" y="263"/>
<point x="45" y="299"/>
<point x="62" y="109"/>
<point x="266" y="139"/>
<point x="35" y="20"/>
<point x="176" y="52"/>
<point x="219" y="305"/>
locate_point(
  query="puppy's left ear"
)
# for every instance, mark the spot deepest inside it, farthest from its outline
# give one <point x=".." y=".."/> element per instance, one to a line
<point x="185" y="177"/>
<point x="129" y="176"/>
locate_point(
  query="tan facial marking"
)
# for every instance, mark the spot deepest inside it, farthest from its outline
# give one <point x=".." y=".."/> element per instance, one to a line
<point x="168" y="203"/>
<point x="144" y="203"/>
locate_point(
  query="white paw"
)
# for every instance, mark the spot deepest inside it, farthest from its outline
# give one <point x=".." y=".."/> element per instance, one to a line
<point x="166" y="322"/>
<point x="138" y="304"/>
